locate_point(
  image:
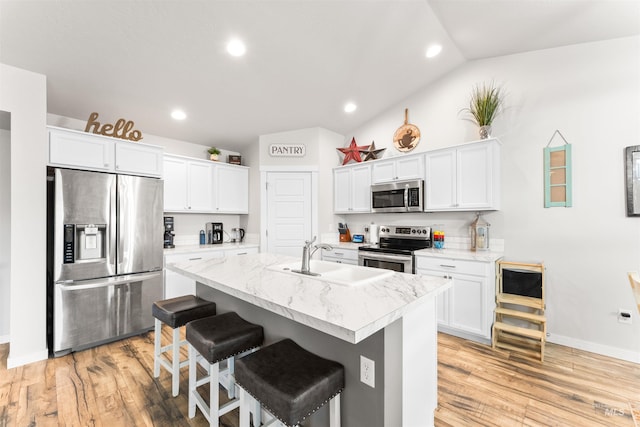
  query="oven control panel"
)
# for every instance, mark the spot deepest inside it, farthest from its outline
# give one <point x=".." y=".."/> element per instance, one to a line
<point x="405" y="231"/>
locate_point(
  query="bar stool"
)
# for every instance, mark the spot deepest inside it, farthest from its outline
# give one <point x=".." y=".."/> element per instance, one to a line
<point x="290" y="383"/>
<point x="216" y="339"/>
<point x="176" y="312"/>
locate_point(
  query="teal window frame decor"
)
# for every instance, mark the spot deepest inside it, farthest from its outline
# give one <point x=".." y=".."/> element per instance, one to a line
<point x="551" y="200"/>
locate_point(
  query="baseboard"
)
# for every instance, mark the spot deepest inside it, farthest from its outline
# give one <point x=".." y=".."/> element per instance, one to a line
<point x="14" y="362"/>
<point x="605" y="350"/>
<point x="4" y="339"/>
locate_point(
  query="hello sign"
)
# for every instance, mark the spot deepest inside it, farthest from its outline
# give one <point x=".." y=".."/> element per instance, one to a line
<point x="123" y="129"/>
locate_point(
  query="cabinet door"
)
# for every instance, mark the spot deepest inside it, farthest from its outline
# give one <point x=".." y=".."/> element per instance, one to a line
<point x="410" y="168"/>
<point x="383" y="171"/>
<point x="342" y="190"/>
<point x="70" y="149"/>
<point x="139" y="159"/>
<point x="231" y="185"/>
<point x="175" y="184"/>
<point x="442" y="308"/>
<point x="440" y="185"/>
<point x="200" y="187"/>
<point x="474" y="177"/>
<point x="467" y="307"/>
<point x="176" y="285"/>
<point x="361" y="189"/>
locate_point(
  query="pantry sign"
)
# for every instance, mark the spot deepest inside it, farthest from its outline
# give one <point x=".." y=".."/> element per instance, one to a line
<point x="287" y="150"/>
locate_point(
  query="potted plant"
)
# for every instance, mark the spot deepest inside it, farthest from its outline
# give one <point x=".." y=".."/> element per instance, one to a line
<point x="213" y="153"/>
<point x="484" y="105"/>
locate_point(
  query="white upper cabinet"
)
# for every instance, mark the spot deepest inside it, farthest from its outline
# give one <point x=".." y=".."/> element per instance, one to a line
<point x="188" y="185"/>
<point x="398" y="169"/>
<point x="231" y="188"/>
<point x="463" y="178"/>
<point x="139" y="159"/>
<point x="202" y="186"/>
<point x="352" y="189"/>
<point x="81" y="150"/>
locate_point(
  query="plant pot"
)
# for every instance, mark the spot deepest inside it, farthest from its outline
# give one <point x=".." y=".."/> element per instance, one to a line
<point x="485" y="132"/>
<point x="214" y="157"/>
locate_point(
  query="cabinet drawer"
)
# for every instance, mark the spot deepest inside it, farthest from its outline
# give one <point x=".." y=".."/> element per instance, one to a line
<point x="452" y="265"/>
<point x="347" y="254"/>
<point x="192" y="256"/>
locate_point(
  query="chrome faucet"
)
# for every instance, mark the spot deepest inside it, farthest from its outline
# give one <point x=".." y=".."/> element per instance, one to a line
<point x="307" y="252"/>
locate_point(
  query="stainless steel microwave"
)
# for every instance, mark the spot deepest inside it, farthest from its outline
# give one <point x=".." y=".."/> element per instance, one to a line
<point x="399" y="196"/>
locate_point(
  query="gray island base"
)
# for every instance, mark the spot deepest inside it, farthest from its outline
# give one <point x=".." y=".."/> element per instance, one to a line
<point x="391" y="321"/>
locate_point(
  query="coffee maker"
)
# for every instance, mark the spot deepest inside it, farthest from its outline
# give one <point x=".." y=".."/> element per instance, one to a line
<point x="168" y="232"/>
<point x="214" y="233"/>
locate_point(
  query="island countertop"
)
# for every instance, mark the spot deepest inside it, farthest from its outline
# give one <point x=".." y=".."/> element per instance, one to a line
<point x="351" y="313"/>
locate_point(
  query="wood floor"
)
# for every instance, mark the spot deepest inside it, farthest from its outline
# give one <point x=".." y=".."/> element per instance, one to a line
<point x="113" y="385"/>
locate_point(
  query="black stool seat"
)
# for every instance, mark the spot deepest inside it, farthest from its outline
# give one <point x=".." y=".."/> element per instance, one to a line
<point x="289" y="381"/>
<point x="219" y="337"/>
<point x="179" y="311"/>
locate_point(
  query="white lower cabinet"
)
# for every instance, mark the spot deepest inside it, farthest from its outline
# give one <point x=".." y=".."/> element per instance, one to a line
<point x="466" y="309"/>
<point x="176" y="285"/>
<point x="339" y="255"/>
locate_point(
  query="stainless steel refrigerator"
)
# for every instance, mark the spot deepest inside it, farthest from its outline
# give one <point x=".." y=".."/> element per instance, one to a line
<point x="105" y="257"/>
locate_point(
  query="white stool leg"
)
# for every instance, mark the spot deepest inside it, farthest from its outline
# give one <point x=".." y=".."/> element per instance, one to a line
<point x="156" y="348"/>
<point x="245" y="400"/>
<point x="334" y="411"/>
<point x="231" y="391"/>
<point x="175" y="374"/>
<point x="257" y="411"/>
<point x="193" y="361"/>
<point x="214" y="395"/>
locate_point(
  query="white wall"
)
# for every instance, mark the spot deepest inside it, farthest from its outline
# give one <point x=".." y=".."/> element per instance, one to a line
<point x="5" y="231"/>
<point x="591" y="93"/>
<point x="23" y="94"/>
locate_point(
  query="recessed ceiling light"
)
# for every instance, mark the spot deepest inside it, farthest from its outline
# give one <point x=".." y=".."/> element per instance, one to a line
<point x="178" y="115"/>
<point x="236" y="48"/>
<point x="433" y="50"/>
<point x="350" y="107"/>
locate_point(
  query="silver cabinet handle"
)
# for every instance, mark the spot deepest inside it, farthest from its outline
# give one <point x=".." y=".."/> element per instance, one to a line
<point x="241" y="253"/>
<point x="195" y="259"/>
<point x="447" y="266"/>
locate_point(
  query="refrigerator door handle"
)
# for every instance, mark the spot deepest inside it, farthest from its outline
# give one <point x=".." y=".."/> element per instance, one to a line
<point x="99" y="283"/>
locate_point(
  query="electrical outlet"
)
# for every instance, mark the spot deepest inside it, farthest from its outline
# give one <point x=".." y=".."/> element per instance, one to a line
<point x="368" y="371"/>
<point x="624" y="316"/>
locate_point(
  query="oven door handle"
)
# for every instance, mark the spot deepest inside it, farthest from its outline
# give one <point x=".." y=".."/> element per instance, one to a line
<point x="385" y="257"/>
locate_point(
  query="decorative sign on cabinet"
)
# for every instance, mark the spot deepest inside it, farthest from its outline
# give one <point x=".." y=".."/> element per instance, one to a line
<point x="463" y="178"/>
<point x="75" y="149"/>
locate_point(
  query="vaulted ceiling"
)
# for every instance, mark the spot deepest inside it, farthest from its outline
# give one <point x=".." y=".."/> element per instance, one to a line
<point x="305" y="59"/>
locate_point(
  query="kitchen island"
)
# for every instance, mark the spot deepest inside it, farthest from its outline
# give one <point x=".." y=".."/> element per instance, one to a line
<point x="390" y="321"/>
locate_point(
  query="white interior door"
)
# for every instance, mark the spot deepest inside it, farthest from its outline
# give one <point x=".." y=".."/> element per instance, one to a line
<point x="289" y="213"/>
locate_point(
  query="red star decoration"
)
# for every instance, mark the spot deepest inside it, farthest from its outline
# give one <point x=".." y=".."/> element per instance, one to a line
<point x="352" y="152"/>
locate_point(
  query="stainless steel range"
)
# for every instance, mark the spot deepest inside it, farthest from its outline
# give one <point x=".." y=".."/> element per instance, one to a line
<point x="396" y="248"/>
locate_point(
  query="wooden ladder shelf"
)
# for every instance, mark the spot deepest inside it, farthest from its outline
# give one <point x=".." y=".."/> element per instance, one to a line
<point x="520" y="323"/>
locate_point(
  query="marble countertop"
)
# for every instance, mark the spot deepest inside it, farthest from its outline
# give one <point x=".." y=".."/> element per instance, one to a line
<point x="181" y="249"/>
<point x="351" y="313"/>
<point x="462" y="254"/>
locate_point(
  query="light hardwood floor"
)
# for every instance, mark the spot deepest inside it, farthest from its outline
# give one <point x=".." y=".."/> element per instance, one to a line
<point x="113" y="385"/>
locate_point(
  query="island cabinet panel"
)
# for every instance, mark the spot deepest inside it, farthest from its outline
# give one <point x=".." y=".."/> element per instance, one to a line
<point x="463" y="178"/>
<point x="398" y="169"/>
<point x="352" y="189"/>
<point x="465" y="310"/>
<point x="86" y="151"/>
